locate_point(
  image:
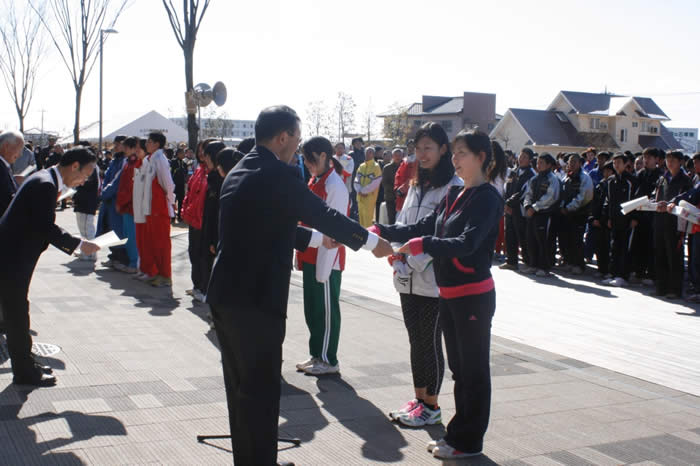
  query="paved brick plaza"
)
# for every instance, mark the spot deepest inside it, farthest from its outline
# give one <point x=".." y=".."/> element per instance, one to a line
<point x="139" y="377"/>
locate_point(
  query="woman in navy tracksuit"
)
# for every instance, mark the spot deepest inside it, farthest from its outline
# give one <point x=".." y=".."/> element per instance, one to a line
<point x="460" y="235"/>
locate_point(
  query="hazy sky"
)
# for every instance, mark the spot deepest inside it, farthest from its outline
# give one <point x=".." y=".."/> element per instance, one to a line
<point x="382" y="52"/>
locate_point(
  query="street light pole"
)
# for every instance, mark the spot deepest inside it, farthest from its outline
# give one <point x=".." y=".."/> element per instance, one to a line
<point x="102" y="33"/>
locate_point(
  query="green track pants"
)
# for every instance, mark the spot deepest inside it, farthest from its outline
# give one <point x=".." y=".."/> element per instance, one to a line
<point x="322" y="312"/>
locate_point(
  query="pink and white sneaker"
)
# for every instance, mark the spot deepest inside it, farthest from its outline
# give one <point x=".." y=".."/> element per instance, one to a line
<point x="446" y="452"/>
<point x="421" y="416"/>
<point x="405" y="409"/>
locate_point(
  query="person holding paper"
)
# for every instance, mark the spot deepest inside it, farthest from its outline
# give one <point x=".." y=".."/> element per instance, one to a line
<point x="668" y="241"/>
<point x="249" y="283"/>
<point x="26" y="230"/>
<point x="11" y="144"/>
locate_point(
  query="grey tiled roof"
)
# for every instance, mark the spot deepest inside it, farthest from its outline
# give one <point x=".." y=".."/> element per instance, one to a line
<point x="650" y="107"/>
<point x="546" y="129"/>
<point x="586" y="102"/>
<point x="454" y="105"/>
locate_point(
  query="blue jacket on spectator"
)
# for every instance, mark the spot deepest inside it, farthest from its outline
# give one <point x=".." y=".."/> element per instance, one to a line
<point x="109" y="219"/>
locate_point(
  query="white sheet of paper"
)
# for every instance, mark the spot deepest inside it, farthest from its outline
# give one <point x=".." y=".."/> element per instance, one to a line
<point x="109" y="239"/>
<point x="27" y="171"/>
<point x="634" y="204"/>
<point x="66" y="194"/>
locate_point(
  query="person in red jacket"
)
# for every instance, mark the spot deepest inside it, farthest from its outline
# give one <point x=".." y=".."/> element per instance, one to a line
<point x="192" y="213"/>
<point x="405" y="174"/>
<point x="125" y="204"/>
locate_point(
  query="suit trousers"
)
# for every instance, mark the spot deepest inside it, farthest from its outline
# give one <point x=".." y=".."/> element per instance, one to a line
<point x="201" y="269"/>
<point x="250" y="341"/>
<point x="516" y="238"/>
<point x="466" y="325"/>
<point x="668" y="251"/>
<point x="13" y="301"/>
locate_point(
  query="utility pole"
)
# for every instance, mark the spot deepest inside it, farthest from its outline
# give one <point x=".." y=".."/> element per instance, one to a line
<point x="41" y="138"/>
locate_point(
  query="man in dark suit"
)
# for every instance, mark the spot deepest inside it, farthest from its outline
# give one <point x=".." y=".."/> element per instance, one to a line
<point x="26" y="229"/>
<point x="11" y="145"/>
<point x="262" y="200"/>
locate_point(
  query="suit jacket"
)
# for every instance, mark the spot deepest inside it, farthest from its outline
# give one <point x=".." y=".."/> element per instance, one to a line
<point x="262" y="201"/>
<point x="28" y="227"/>
<point x="8" y="187"/>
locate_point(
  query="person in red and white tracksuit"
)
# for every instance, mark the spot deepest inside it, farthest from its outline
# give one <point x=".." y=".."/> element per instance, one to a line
<point x="158" y="201"/>
<point x="322" y="268"/>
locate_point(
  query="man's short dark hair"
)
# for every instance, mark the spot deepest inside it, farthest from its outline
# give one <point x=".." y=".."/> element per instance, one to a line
<point x="547" y="157"/>
<point x="620" y="156"/>
<point x="131" y="142"/>
<point x="272" y="121"/>
<point x="696" y="156"/>
<point x="158" y="138"/>
<point x="246" y="145"/>
<point x="354" y="140"/>
<point x="227" y="159"/>
<point x="528" y="151"/>
<point x="80" y="154"/>
<point x="606" y="155"/>
<point x="676" y="154"/>
<point x="213" y="149"/>
<point x="119" y="138"/>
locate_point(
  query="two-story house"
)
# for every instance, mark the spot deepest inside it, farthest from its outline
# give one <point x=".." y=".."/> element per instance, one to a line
<point x="470" y="110"/>
<point x="577" y="120"/>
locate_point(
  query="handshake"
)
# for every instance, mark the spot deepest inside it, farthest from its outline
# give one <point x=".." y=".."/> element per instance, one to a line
<point x="382" y="249"/>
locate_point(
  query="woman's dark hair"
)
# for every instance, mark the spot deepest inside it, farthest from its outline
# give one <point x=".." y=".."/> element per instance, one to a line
<point x="246" y="145"/>
<point x="142" y="144"/>
<point x="273" y="121"/>
<point x="319" y="144"/>
<point x="226" y="159"/>
<point x="494" y="157"/>
<point x="131" y="142"/>
<point x="80" y="154"/>
<point x="444" y="170"/>
<point x="214" y="148"/>
<point x="203" y="145"/>
<point x="169" y="153"/>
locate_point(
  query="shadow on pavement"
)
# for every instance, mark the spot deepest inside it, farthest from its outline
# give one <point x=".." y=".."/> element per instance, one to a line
<point x="160" y="301"/>
<point x="80" y="268"/>
<point x="559" y="282"/>
<point x="23" y="446"/>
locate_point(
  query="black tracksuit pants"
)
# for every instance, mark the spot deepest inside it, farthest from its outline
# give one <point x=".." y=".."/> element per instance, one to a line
<point x="601" y="237"/>
<point x="668" y="253"/>
<point x="466" y="324"/>
<point x="251" y="354"/>
<point x="643" y="247"/>
<point x="619" y="253"/>
<point x="199" y="258"/>
<point x="540" y="241"/>
<point x="572" y="228"/>
<point x="391" y="211"/>
<point x="516" y="238"/>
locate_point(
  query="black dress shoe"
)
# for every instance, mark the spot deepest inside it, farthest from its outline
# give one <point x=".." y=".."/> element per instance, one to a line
<point x="37" y="378"/>
<point x="42" y="368"/>
<point x="285" y="463"/>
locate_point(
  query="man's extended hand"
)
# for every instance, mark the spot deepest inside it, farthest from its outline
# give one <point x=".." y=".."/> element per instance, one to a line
<point x="383" y="249"/>
<point x="530" y="212"/>
<point x="88" y="248"/>
<point x="330" y="243"/>
<point x="508" y="210"/>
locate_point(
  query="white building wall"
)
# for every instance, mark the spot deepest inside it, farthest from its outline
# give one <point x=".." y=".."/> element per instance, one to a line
<point x="509" y="133"/>
<point x="688" y="138"/>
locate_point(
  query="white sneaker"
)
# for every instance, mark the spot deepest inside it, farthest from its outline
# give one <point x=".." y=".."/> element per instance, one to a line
<point x="446" y="452"/>
<point x="199" y="296"/>
<point x="405" y="409"/>
<point x="421" y="416"/>
<point x="607" y="281"/>
<point x="308" y="363"/>
<point x="619" y="282"/>
<point x="432" y="445"/>
<point x="322" y="368"/>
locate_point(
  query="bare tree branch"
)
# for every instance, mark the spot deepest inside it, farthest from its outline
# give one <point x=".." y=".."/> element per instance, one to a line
<point x="75" y="32"/>
<point x="22" y="49"/>
<point x="185" y="30"/>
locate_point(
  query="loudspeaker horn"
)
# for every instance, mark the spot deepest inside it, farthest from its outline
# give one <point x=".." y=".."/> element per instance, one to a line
<point x="219" y="93"/>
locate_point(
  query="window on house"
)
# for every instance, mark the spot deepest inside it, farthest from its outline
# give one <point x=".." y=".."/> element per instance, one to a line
<point x="635" y="124"/>
<point x="595" y="123"/>
<point x="653" y="129"/>
<point x="645" y="126"/>
<point x="623" y="135"/>
<point x="446" y="125"/>
<point x="692" y="135"/>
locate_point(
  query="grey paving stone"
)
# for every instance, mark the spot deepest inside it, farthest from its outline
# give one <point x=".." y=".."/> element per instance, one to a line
<point x="568" y="458"/>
